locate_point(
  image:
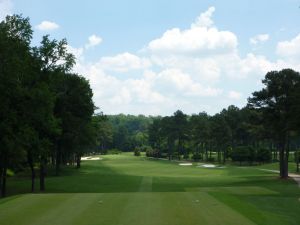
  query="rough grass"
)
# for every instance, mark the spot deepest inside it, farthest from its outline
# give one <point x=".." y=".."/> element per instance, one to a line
<point x="122" y="189"/>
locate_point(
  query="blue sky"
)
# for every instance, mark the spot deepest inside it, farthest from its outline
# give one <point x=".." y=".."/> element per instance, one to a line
<point x="154" y="57"/>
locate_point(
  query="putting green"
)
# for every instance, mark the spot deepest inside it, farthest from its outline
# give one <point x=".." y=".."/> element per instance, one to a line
<point x="127" y="190"/>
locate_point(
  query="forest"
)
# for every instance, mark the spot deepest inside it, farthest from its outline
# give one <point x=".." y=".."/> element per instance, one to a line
<point x="48" y="119"/>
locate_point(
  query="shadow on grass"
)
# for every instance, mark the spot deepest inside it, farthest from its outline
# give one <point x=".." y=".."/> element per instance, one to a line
<point x="109" y="176"/>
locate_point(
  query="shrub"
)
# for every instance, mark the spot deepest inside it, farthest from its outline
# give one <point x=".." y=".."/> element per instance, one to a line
<point x="137" y="151"/>
<point x="241" y="154"/>
<point x="263" y="155"/>
<point x="196" y="157"/>
<point x="150" y="152"/>
<point x="114" y="151"/>
<point x="210" y="159"/>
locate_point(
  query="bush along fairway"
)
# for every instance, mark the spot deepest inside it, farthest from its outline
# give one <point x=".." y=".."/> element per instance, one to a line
<point x="123" y="189"/>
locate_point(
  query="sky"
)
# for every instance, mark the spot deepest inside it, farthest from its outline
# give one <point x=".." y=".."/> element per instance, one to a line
<point x="154" y="57"/>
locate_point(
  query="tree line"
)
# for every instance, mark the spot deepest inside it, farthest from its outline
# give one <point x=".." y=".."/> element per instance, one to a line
<point x="269" y="124"/>
<point x="46" y="110"/>
<point x="266" y="129"/>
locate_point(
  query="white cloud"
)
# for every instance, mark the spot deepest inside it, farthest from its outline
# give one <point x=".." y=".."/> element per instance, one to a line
<point x="94" y="40"/>
<point x="6" y="7"/>
<point x="115" y="95"/>
<point x="47" y="26"/>
<point x="200" y="39"/>
<point x="183" y="69"/>
<point x="179" y="83"/>
<point x="259" y="39"/>
<point x="290" y="49"/>
<point x="77" y="52"/>
<point x="205" y="20"/>
<point x="124" y="62"/>
<point x="235" y="95"/>
<point x="197" y="41"/>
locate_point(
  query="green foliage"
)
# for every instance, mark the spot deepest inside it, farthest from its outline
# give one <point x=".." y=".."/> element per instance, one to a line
<point x="129" y="131"/>
<point x="45" y="111"/>
<point x="137" y="151"/>
<point x="277" y="102"/>
<point x="242" y="154"/>
<point x="104" y="132"/>
<point x="297" y="156"/>
<point x="113" y="151"/>
<point x="211" y="159"/>
<point x="53" y="55"/>
<point x="197" y="157"/>
<point x="263" y="155"/>
<point x="150" y="152"/>
<point x="250" y="154"/>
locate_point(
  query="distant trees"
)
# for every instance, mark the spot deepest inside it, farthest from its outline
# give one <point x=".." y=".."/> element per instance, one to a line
<point x="46" y="111"/>
<point x="251" y="154"/>
<point x="200" y="135"/>
<point x="129" y="131"/>
<point x="268" y="125"/>
<point x="104" y="132"/>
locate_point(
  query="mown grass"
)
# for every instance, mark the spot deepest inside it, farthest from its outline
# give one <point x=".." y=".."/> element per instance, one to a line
<point x="123" y="189"/>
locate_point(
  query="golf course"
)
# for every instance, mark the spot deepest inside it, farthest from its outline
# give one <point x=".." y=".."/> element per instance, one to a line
<point x="127" y="190"/>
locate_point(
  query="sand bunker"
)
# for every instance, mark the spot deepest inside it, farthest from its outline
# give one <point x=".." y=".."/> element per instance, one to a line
<point x="90" y="158"/>
<point x="208" y="166"/>
<point x="185" y="164"/>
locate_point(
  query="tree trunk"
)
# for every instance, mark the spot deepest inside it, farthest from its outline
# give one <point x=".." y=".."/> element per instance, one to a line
<point x="57" y="160"/>
<point x="31" y="165"/>
<point x="32" y="178"/>
<point x="1" y="175"/>
<point x="3" y="185"/>
<point x="42" y="175"/>
<point x="206" y="151"/>
<point x="78" y="161"/>
<point x="224" y="156"/>
<point x="169" y="149"/>
<point x="210" y="150"/>
<point x="283" y="162"/>
<point x="179" y="150"/>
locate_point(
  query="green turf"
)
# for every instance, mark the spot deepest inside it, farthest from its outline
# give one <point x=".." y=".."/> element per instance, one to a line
<point x="122" y="189"/>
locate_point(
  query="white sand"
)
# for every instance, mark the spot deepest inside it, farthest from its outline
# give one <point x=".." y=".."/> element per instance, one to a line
<point x="185" y="164"/>
<point x="90" y="158"/>
<point x="208" y="166"/>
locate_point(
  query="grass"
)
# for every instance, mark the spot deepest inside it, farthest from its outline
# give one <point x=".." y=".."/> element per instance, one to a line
<point x="122" y="189"/>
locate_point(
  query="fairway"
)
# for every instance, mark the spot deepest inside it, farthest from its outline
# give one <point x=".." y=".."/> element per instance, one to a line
<point x="127" y="190"/>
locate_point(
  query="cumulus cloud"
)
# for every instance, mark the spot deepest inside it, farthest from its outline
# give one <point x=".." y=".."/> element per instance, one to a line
<point x="47" y="26"/>
<point x="184" y="69"/>
<point x="94" y="40"/>
<point x="124" y="62"/>
<point x="154" y="92"/>
<point x="77" y="52"/>
<point x="197" y="41"/>
<point x="179" y="83"/>
<point x="235" y="95"/>
<point x="200" y="39"/>
<point x="259" y="39"/>
<point x="289" y="48"/>
<point x="6" y="7"/>
<point x="205" y="19"/>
